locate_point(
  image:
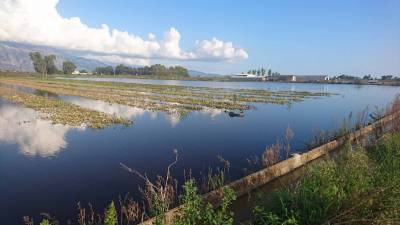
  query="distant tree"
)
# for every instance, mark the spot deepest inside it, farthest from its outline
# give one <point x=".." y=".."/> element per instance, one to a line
<point x="68" y="67"/>
<point x="38" y="62"/>
<point x="262" y="71"/>
<point x="387" y="77"/>
<point x="50" y="64"/>
<point x="258" y="72"/>
<point x="347" y="77"/>
<point x="83" y="71"/>
<point x="107" y="70"/>
<point x="269" y="72"/>
<point x="125" y="70"/>
<point x="153" y="70"/>
<point x="44" y="65"/>
<point x="367" y="77"/>
<point x="249" y="72"/>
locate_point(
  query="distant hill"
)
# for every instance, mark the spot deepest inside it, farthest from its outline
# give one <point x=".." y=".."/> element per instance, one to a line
<point x="196" y="73"/>
<point x="15" y="57"/>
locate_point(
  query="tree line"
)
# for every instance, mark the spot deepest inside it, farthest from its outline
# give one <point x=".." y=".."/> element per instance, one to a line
<point x="263" y="72"/>
<point x="154" y="70"/>
<point x="46" y="65"/>
<point x="366" y="77"/>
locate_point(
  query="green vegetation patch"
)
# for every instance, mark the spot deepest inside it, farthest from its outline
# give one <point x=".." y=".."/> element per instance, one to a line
<point x="360" y="187"/>
<point x="165" y="97"/>
<point x="61" y="112"/>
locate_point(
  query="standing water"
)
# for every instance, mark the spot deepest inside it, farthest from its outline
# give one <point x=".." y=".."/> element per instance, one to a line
<point x="47" y="168"/>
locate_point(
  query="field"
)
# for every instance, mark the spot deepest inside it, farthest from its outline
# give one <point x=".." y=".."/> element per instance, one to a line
<point x="169" y="98"/>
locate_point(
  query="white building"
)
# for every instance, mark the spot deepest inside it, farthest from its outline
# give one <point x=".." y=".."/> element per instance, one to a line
<point x="245" y="75"/>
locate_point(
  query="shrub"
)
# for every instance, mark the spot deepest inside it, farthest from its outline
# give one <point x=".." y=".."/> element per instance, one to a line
<point x="196" y="211"/>
<point x="326" y="188"/>
<point x="110" y="215"/>
<point x="45" y="222"/>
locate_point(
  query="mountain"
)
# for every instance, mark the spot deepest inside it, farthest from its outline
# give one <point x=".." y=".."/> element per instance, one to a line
<point x="15" y="57"/>
<point x="196" y="73"/>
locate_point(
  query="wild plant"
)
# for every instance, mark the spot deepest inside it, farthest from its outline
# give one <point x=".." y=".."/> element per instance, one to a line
<point x="216" y="179"/>
<point x="130" y="211"/>
<point x="272" y="154"/>
<point x="160" y="195"/>
<point x="394" y="110"/>
<point x="196" y="211"/>
<point x="110" y="215"/>
<point x="289" y="134"/>
<point x="323" y="191"/>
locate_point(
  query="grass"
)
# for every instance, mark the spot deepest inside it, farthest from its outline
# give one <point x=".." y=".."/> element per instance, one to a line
<point x="61" y="112"/>
<point x="362" y="186"/>
<point x="358" y="186"/>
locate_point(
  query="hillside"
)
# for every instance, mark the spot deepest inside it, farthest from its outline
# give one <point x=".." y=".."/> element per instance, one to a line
<point x="15" y="57"/>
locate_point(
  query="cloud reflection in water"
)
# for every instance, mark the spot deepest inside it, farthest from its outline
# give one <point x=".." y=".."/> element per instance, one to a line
<point x="34" y="136"/>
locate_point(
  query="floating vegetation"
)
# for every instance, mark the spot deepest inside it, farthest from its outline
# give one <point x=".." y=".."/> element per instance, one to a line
<point x="61" y="112"/>
<point x="164" y="97"/>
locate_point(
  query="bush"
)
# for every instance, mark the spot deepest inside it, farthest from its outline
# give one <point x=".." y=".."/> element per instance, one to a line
<point x="110" y="215"/>
<point x="196" y="211"/>
<point x="326" y="189"/>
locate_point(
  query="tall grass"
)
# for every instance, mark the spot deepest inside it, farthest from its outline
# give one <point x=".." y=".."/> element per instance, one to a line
<point x="359" y="187"/>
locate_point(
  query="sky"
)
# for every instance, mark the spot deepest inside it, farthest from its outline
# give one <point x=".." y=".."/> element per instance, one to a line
<point x="355" y="37"/>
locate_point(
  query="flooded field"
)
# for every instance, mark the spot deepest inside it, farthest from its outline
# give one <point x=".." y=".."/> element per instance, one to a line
<point x="48" y="165"/>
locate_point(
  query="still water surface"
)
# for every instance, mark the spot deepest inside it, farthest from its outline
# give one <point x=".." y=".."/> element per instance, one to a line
<point x="49" y="168"/>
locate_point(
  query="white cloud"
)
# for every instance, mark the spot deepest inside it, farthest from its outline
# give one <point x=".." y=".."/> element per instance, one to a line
<point x="38" y="22"/>
<point x="119" y="59"/>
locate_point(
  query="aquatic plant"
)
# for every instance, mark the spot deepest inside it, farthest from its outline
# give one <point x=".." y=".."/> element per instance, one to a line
<point x="163" y="97"/>
<point x="61" y="112"/>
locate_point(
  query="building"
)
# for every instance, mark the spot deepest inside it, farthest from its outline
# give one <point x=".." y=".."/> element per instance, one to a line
<point x="82" y="72"/>
<point x="245" y="76"/>
<point x="283" y="78"/>
<point x="311" y="78"/>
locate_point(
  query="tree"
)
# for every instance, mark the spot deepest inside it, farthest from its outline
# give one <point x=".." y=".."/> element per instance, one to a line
<point x="44" y="65"/>
<point x="387" y="77"/>
<point x="68" y="67"/>
<point x="123" y="70"/>
<point x="269" y="72"/>
<point x="262" y="71"/>
<point x="367" y="77"/>
<point x="38" y="62"/>
<point x="258" y="72"/>
<point x="107" y="70"/>
<point x="50" y="64"/>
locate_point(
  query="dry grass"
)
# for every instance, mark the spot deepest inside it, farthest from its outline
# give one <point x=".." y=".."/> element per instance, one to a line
<point x="394" y="109"/>
<point x="159" y="195"/>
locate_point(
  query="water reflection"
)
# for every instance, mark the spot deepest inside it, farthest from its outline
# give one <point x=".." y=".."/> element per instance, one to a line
<point x="33" y="136"/>
<point x="173" y="118"/>
<point x="211" y="112"/>
<point x="114" y="109"/>
<point x="128" y="112"/>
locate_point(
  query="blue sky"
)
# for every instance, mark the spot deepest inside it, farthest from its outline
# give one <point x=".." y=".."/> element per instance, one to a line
<point x="306" y="37"/>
